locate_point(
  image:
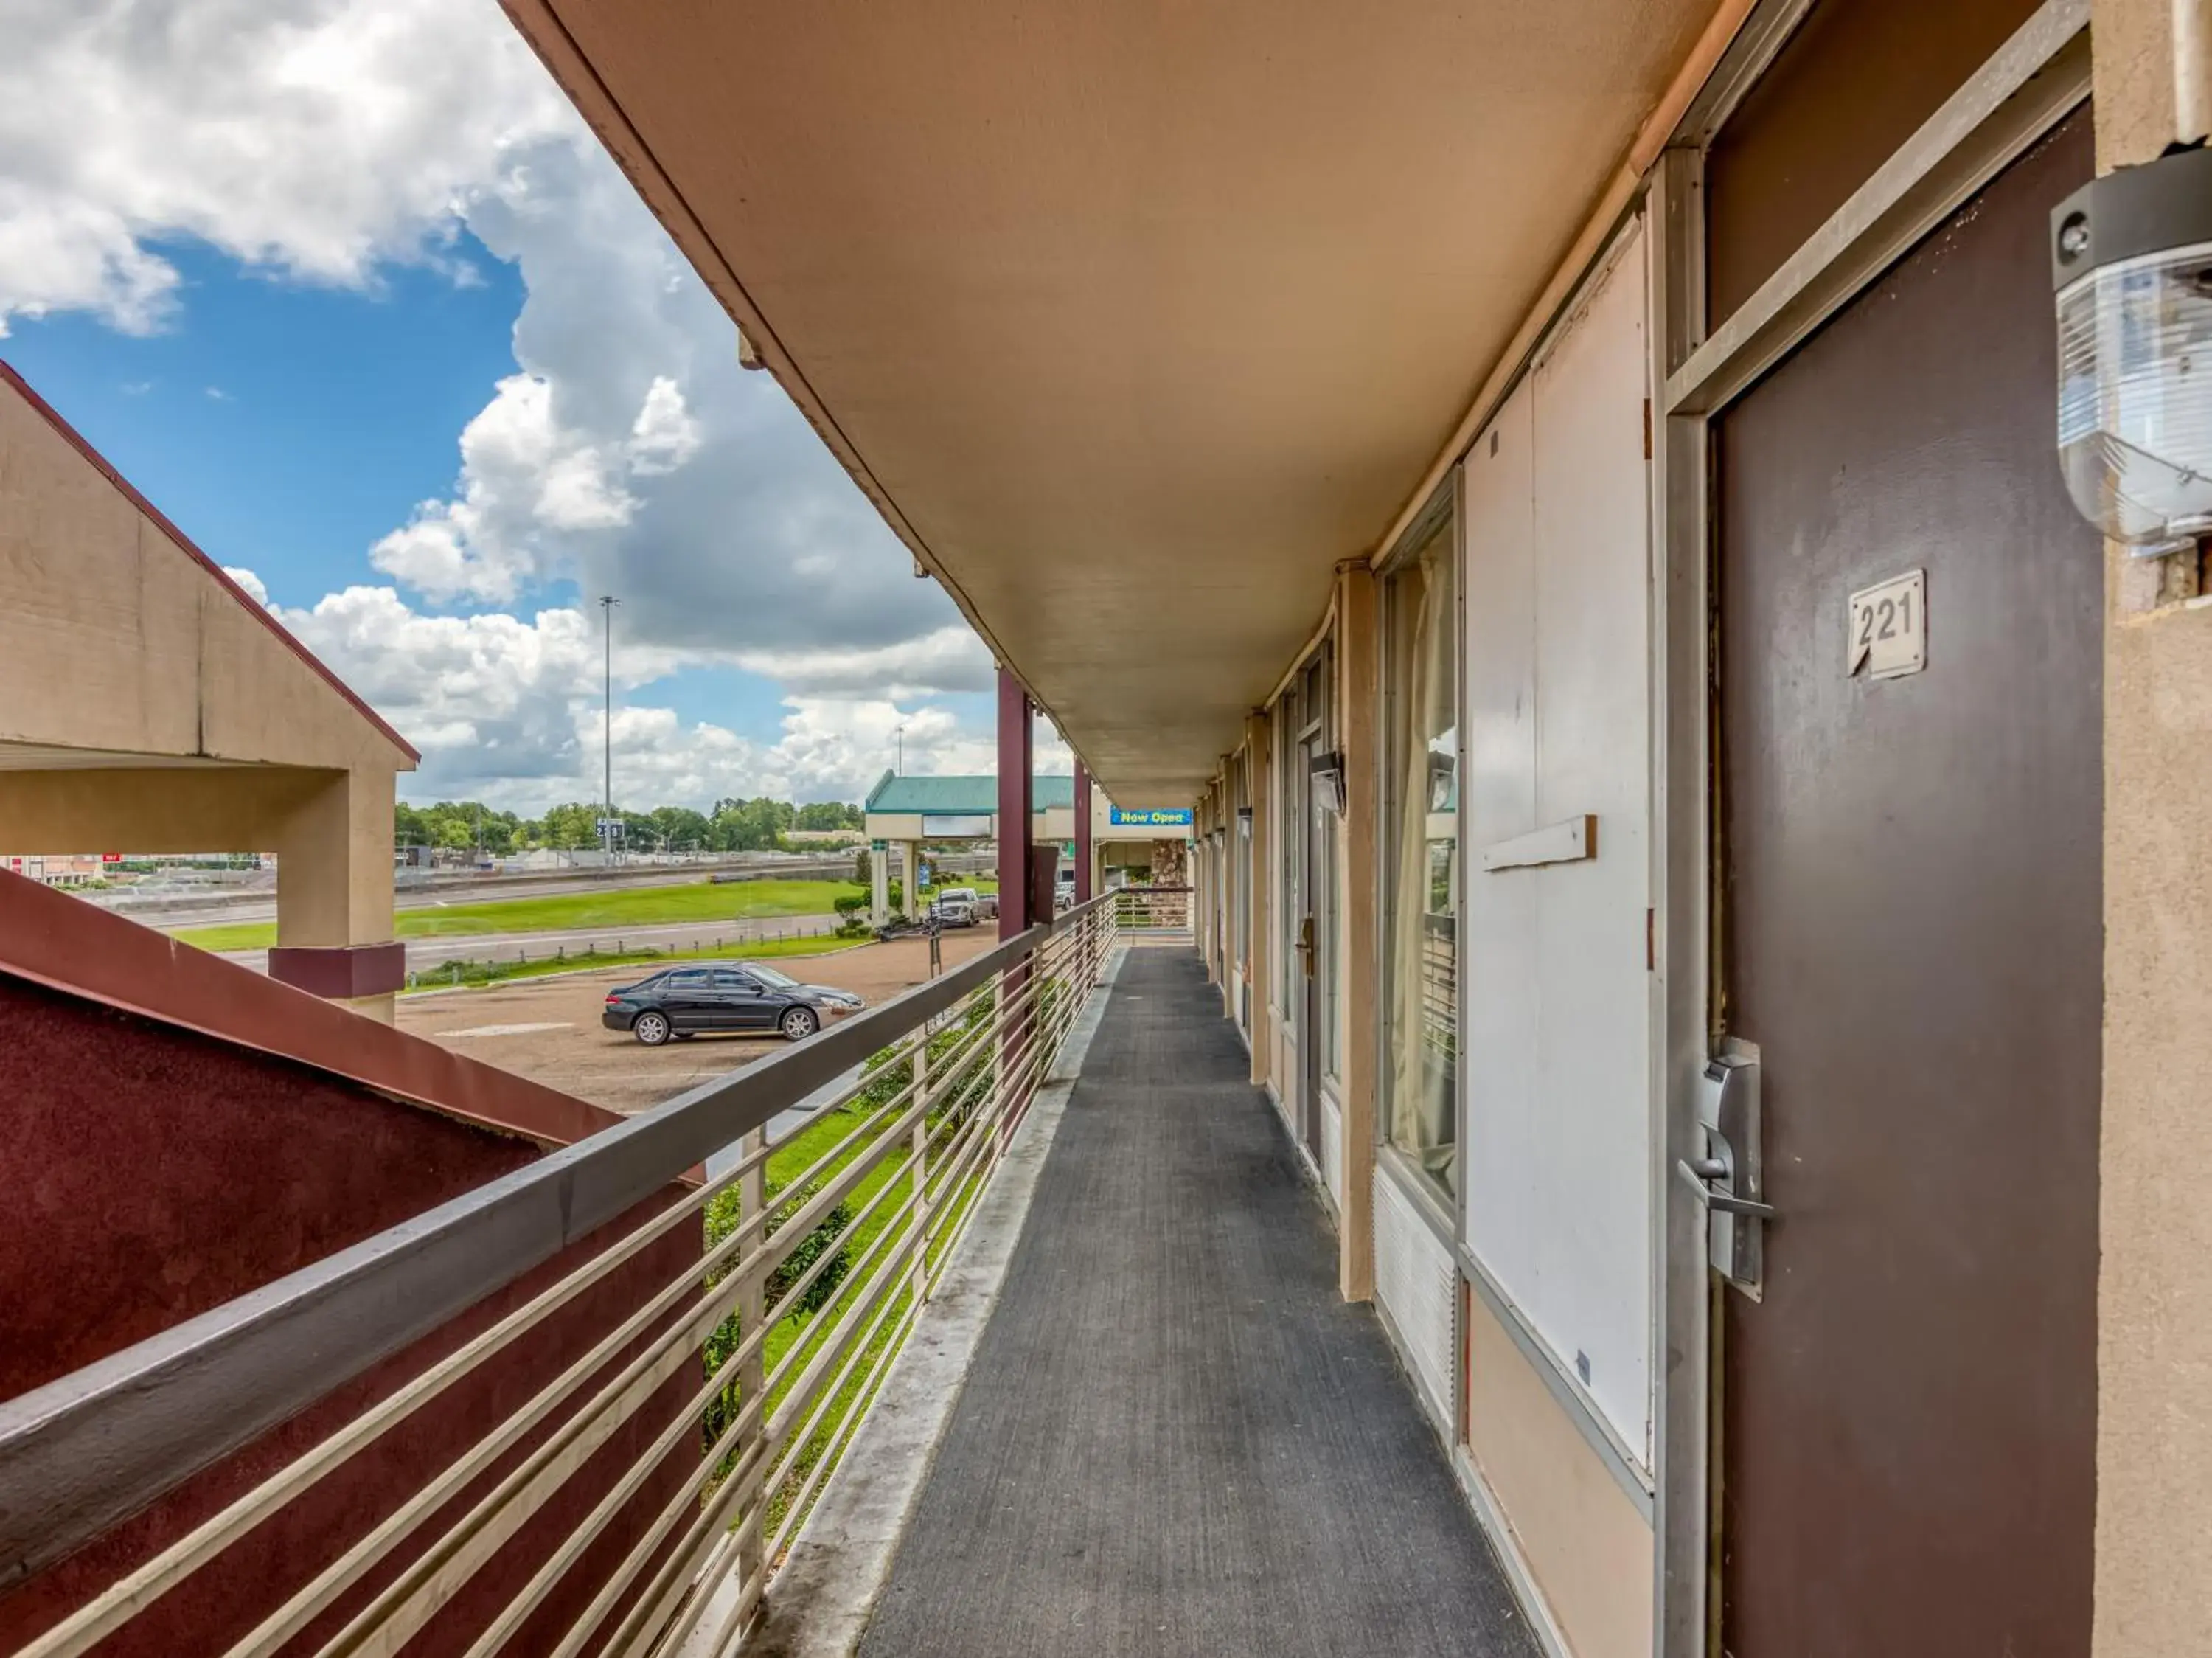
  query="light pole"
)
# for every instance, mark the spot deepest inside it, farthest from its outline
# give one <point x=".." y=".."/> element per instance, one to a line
<point x="898" y="768"/>
<point x="607" y="603"/>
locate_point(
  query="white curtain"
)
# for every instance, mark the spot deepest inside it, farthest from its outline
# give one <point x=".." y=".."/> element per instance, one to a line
<point x="1424" y="997"/>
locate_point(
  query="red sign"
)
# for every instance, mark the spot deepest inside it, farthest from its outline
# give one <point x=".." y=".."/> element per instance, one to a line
<point x="111" y="857"/>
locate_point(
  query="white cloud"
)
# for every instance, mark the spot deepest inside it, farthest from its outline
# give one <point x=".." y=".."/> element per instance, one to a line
<point x="317" y="138"/>
<point x="325" y="140"/>
<point x="509" y="710"/>
<point x="247" y="579"/>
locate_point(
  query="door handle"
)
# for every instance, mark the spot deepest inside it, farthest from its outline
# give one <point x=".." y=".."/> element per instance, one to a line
<point x="1701" y="1172"/>
<point x="1306" y="943"/>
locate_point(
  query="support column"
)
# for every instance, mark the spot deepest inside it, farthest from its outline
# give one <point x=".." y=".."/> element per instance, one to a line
<point x="1087" y="871"/>
<point x="1015" y="806"/>
<point x="910" y="877"/>
<point x="1259" y="982"/>
<point x="334" y="896"/>
<point x="1360" y="735"/>
<point x="879" y="882"/>
<point x="2153" y="1487"/>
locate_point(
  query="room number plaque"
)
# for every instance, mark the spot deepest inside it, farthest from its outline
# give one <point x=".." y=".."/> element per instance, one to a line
<point x="1889" y="627"/>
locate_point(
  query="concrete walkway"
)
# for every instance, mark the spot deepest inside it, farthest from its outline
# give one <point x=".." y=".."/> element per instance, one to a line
<point x="1175" y="1438"/>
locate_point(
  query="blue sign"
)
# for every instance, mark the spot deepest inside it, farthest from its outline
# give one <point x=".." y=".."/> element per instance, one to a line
<point x="1179" y="818"/>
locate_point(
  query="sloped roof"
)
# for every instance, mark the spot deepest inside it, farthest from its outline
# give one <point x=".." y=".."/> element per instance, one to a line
<point x="13" y="381"/>
<point x="962" y="796"/>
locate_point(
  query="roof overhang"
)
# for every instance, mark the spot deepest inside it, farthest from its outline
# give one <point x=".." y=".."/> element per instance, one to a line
<point x="1132" y="321"/>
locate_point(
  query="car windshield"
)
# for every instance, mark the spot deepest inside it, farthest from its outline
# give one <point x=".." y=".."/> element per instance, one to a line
<point x="769" y="975"/>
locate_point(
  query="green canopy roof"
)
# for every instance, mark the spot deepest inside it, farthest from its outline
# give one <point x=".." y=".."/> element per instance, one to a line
<point x="960" y="796"/>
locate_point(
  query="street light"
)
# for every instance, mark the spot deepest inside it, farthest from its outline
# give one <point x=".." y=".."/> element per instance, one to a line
<point x="607" y="603"/>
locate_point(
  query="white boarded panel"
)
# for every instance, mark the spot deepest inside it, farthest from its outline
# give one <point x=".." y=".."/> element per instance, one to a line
<point x="1559" y="1076"/>
<point x="1504" y="1002"/>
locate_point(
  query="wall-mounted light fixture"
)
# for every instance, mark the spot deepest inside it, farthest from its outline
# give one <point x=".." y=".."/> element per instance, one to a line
<point x="1443" y="781"/>
<point x="1325" y="776"/>
<point x="2131" y="263"/>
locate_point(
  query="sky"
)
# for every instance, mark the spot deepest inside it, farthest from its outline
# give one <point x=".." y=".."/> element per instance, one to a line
<point x="347" y="290"/>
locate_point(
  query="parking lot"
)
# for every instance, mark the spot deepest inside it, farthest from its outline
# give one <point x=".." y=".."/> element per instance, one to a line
<point x="549" y="1029"/>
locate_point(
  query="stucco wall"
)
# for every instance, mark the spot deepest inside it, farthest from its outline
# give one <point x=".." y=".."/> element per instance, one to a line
<point x="153" y="1172"/>
<point x="116" y="636"/>
<point x="1585" y="1544"/>
<point x="2154" y="1594"/>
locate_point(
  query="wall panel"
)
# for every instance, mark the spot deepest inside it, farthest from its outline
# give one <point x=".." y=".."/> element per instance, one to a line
<point x="1557" y="1075"/>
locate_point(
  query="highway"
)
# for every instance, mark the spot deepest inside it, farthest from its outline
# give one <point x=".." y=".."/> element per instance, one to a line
<point x="424" y="954"/>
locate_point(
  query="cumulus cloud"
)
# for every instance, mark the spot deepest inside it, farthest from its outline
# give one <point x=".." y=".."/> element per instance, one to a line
<point x="508" y="709"/>
<point x="326" y="140"/>
<point x="251" y="583"/>
<point x="317" y="138"/>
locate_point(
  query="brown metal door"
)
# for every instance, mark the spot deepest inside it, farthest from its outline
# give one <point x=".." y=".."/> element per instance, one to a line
<point x="1912" y="938"/>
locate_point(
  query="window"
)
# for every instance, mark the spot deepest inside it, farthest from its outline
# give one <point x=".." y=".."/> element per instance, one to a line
<point x="695" y="979"/>
<point x="1289" y="811"/>
<point x="1421" y="970"/>
<point x="732" y="981"/>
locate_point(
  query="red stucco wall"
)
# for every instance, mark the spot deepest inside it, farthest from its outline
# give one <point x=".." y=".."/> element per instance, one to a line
<point x="151" y="1172"/>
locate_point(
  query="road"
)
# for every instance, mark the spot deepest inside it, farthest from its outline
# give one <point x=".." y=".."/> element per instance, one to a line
<point x="426" y="953"/>
<point x="262" y="905"/>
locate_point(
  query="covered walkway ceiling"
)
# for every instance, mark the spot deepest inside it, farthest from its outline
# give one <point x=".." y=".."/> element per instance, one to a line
<point x="1132" y="316"/>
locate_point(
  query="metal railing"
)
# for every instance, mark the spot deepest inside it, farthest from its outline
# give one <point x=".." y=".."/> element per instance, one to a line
<point x="1151" y="909"/>
<point x="684" y="1441"/>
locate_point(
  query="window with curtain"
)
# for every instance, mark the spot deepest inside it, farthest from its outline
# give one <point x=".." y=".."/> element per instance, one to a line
<point x="1421" y="971"/>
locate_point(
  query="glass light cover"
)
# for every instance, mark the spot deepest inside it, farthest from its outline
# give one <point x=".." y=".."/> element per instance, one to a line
<point x="2134" y="396"/>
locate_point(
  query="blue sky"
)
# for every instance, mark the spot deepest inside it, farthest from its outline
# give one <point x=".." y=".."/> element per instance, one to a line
<point x="347" y="290"/>
<point x="286" y="427"/>
<point x="338" y="409"/>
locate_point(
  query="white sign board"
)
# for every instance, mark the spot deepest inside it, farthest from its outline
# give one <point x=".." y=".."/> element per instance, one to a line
<point x="1889" y="627"/>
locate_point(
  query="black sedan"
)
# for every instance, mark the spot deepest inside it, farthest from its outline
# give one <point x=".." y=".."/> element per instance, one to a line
<point x="752" y="1000"/>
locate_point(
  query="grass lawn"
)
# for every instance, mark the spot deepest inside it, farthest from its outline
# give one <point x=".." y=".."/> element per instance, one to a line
<point x="699" y="900"/>
<point x="798" y="1333"/>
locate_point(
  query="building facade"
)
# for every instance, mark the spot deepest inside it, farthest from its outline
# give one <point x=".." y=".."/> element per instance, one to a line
<point x="1587" y="844"/>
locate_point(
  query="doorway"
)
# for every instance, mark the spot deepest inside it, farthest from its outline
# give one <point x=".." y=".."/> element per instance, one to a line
<point x="1315" y="921"/>
<point x="1909" y="934"/>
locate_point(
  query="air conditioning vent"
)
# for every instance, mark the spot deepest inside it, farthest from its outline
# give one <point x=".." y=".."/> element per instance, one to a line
<point x="1415" y="1278"/>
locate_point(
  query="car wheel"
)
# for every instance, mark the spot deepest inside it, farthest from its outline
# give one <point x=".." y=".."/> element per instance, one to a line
<point x="651" y="1028"/>
<point x="799" y="1023"/>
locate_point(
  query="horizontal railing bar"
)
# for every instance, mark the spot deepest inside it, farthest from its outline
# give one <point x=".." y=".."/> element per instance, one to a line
<point x="93" y="1447"/>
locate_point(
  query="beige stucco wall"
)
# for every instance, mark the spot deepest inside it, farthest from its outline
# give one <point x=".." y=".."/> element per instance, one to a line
<point x="1582" y="1539"/>
<point x="2154" y="1595"/>
<point x="114" y="637"/>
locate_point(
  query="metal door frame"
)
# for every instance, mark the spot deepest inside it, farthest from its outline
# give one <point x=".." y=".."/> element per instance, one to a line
<point x="2040" y="75"/>
<point x="1312" y="739"/>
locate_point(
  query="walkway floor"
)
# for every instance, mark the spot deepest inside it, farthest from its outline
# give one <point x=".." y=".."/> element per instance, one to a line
<point x="1175" y="1439"/>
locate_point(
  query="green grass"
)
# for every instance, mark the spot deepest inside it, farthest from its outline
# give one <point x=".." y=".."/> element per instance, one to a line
<point x="701" y="901"/>
<point x="481" y="974"/>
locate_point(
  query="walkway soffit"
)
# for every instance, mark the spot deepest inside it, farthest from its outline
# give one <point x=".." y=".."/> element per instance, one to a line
<point x="1132" y="318"/>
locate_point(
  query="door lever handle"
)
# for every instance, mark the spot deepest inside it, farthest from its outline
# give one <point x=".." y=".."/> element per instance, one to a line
<point x="1701" y="1170"/>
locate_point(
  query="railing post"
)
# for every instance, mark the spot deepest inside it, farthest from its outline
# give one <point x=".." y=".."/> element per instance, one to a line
<point x="920" y="1159"/>
<point x="752" y="1307"/>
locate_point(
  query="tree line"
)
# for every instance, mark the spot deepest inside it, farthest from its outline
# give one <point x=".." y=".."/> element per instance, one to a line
<point x="735" y="825"/>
